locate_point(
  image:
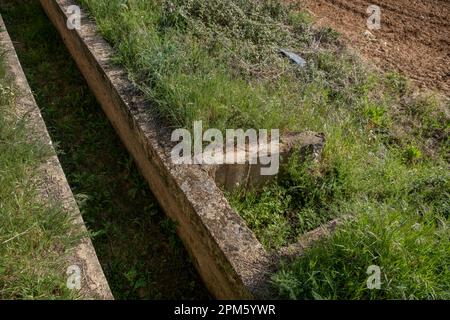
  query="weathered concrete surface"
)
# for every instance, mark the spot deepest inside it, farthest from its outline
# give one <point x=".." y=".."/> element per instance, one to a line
<point x="308" y="143"/>
<point x="248" y="175"/>
<point x="306" y="241"/>
<point x="53" y="182"/>
<point x="227" y="255"/>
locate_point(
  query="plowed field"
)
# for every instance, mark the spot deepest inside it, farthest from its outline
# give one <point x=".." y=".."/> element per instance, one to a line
<point x="414" y="37"/>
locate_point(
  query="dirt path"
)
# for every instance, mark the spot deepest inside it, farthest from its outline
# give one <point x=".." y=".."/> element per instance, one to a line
<point x="414" y="37"/>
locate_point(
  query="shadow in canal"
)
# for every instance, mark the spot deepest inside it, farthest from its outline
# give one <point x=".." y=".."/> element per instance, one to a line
<point x="137" y="246"/>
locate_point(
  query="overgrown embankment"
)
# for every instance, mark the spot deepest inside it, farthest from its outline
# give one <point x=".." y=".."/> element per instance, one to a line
<point x="385" y="163"/>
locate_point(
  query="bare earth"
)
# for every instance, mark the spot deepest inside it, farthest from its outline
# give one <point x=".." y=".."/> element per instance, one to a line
<point x="414" y="37"/>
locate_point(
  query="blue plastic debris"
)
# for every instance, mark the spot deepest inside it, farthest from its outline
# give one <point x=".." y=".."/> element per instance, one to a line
<point x="294" y="57"/>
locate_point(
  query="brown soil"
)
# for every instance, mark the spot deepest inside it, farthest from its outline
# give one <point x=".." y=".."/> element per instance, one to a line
<point x="414" y="38"/>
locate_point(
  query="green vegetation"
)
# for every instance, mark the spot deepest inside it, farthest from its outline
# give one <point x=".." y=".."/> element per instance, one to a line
<point x="218" y="61"/>
<point x="386" y="159"/>
<point x="138" y="249"/>
<point x="34" y="235"/>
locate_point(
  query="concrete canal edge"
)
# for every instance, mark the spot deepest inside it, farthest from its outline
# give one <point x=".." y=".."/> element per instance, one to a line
<point x="52" y="180"/>
<point x="231" y="261"/>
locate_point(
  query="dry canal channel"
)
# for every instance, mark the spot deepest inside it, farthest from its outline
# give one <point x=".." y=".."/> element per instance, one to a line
<point x="136" y="244"/>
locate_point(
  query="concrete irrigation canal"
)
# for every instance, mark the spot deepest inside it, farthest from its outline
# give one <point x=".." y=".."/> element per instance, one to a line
<point x="225" y="149"/>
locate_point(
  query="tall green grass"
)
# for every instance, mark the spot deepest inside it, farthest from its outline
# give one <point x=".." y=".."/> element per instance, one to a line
<point x="35" y="235"/>
<point x="215" y="61"/>
<point x="386" y="158"/>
